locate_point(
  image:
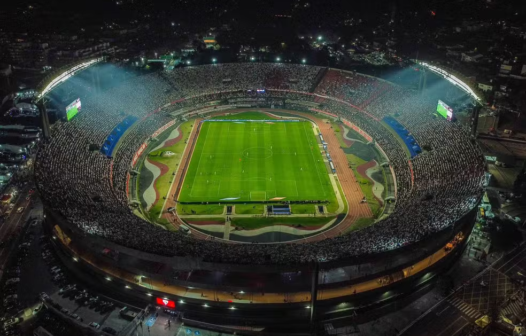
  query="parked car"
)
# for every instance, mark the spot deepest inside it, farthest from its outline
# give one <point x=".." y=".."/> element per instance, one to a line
<point x="11" y="322"/>
<point x="67" y="289"/>
<point x="109" y="330"/>
<point x="12" y="281"/>
<point x="37" y="309"/>
<point x="75" y="316"/>
<point x="94" y="325"/>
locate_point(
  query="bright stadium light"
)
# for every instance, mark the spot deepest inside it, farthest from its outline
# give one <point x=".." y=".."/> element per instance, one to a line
<point x="452" y="79"/>
<point x="67" y="74"/>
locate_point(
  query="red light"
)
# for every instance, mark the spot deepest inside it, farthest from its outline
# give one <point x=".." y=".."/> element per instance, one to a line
<point x="229" y="300"/>
<point x="165" y="303"/>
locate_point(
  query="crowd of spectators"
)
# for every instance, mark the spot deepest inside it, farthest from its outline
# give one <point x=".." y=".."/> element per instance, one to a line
<point x="204" y="79"/>
<point x="435" y="188"/>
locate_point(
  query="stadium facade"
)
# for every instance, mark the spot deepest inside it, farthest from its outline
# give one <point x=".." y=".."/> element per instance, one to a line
<point x="274" y="287"/>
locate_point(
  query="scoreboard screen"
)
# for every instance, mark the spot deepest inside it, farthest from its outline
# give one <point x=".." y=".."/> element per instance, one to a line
<point x="73" y="109"/>
<point x="444" y="110"/>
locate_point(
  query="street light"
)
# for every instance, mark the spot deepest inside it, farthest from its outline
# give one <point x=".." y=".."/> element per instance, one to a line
<point x="188" y="62"/>
<point x="252" y="58"/>
<point x="278" y="59"/>
<point x="214" y="60"/>
<point x="319" y="38"/>
<point x="304" y="61"/>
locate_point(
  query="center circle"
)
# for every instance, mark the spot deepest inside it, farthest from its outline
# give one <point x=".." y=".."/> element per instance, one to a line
<point x="257" y="153"/>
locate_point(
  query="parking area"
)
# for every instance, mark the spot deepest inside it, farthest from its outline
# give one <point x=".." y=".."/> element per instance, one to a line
<point x="88" y="307"/>
<point x="36" y="275"/>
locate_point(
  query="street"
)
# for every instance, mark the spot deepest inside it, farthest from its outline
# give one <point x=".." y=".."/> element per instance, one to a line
<point x="11" y="225"/>
<point x="489" y="290"/>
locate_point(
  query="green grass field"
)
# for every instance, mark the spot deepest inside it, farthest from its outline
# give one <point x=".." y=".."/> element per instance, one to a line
<point x="256" y="161"/>
<point x="249" y="209"/>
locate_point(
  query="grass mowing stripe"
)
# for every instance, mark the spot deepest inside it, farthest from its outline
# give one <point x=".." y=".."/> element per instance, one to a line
<point x="204" y="128"/>
<point x="315" y="163"/>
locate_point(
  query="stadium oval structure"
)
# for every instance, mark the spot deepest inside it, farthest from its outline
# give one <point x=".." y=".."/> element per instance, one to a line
<point x="87" y="205"/>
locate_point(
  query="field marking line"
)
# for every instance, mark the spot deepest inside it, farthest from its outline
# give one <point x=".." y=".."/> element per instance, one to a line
<point x="296" y="186"/>
<point x="180" y="167"/>
<point x="314" y="161"/>
<point x="199" y="162"/>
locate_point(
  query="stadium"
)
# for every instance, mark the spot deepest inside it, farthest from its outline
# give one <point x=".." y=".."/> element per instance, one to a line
<point x="258" y="197"/>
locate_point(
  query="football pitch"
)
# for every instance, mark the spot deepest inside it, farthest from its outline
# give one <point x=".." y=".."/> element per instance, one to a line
<point x="261" y="160"/>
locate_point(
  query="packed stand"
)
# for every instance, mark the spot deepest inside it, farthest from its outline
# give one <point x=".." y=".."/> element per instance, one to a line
<point x="434" y="190"/>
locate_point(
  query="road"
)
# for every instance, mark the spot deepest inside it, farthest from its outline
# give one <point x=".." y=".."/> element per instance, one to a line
<point x="12" y="224"/>
<point x="474" y="299"/>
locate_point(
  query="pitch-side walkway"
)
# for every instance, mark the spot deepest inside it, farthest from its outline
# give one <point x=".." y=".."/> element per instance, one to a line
<point x="227" y="228"/>
<point x="299" y="233"/>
